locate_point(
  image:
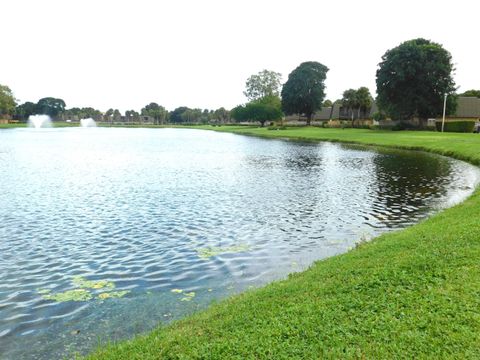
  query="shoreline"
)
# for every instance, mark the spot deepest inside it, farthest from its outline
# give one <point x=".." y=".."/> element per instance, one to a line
<point x="408" y="293"/>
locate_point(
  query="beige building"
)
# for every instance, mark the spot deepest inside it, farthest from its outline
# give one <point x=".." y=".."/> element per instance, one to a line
<point x="468" y="107"/>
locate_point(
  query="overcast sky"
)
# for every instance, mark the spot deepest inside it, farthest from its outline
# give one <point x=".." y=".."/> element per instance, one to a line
<point x="199" y="53"/>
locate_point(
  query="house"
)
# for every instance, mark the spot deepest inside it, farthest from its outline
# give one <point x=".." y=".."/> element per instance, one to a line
<point x="467" y="107"/>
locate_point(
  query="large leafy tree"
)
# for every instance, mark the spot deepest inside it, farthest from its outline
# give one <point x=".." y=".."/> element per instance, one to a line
<point x="413" y="78"/>
<point x="156" y="111"/>
<point x="176" y="115"/>
<point x="7" y="101"/>
<point x="23" y="111"/>
<point x="304" y="91"/>
<point x="265" y="83"/>
<point x="262" y="110"/>
<point x="222" y="115"/>
<point x="50" y="106"/>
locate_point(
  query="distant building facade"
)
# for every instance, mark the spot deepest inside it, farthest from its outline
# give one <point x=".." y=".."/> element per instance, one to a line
<point x="468" y="107"/>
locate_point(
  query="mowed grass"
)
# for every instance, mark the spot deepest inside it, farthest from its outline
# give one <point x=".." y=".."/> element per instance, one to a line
<point x="24" y="125"/>
<point x="413" y="293"/>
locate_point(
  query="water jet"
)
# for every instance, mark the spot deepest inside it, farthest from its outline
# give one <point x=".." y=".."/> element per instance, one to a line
<point x="39" y="121"/>
<point x="89" y="122"/>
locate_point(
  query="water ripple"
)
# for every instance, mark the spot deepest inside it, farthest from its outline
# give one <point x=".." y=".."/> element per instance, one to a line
<point x="136" y="207"/>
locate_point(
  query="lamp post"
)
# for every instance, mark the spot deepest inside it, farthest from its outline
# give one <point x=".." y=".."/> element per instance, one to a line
<point x="444" y="109"/>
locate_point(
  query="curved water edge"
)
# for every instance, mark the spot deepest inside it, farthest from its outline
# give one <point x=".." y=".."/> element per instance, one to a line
<point x="169" y="253"/>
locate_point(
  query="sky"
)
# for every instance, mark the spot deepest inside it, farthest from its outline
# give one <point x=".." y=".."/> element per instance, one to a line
<point x="199" y="53"/>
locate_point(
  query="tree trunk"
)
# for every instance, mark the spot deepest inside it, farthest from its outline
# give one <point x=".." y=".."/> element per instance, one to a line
<point x="331" y="111"/>
<point x="422" y="122"/>
<point x="309" y="119"/>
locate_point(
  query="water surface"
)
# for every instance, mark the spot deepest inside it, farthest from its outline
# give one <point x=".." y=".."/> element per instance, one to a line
<point x="176" y="218"/>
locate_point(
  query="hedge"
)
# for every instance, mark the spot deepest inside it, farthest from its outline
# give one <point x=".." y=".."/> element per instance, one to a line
<point x="464" y="126"/>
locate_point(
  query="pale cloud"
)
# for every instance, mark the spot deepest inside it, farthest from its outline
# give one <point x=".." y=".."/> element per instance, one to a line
<point x="125" y="54"/>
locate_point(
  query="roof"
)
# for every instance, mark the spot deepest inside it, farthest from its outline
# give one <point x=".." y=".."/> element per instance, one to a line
<point x="468" y="107"/>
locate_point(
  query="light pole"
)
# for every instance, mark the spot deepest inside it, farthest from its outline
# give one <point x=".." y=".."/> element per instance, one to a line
<point x="444" y="109"/>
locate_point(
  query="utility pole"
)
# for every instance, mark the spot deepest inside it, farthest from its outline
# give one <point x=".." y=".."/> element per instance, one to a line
<point x="444" y="109"/>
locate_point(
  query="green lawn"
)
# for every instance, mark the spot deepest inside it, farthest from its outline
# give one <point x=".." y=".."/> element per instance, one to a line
<point x="408" y="294"/>
<point x="24" y="125"/>
<point x="461" y="146"/>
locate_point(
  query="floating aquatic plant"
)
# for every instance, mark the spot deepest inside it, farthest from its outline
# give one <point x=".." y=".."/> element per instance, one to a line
<point x="113" y="294"/>
<point x="208" y="252"/>
<point x="82" y="283"/>
<point x="84" y="291"/>
<point x="188" y="296"/>
<point x="69" y="295"/>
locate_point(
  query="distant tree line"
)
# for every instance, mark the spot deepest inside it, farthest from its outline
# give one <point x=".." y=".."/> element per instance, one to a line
<point x="56" y="109"/>
<point x="412" y="80"/>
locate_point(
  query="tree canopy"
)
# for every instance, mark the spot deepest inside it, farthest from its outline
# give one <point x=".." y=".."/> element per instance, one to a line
<point x="7" y="101"/>
<point x="23" y="111"/>
<point x="413" y="78"/>
<point x="360" y="100"/>
<point x="327" y="103"/>
<point x="262" y="110"/>
<point x="222" y="115"/>
<point x="471" y="93"/>
<point x="50" y="106"/>
<point x="304" y="91"/>
<point x="83" y="113"/>
<point x="264" y="84"/>
<point x="176" y="115"/>
<point x="349" y="100"/>
<point x="156" y="111"/>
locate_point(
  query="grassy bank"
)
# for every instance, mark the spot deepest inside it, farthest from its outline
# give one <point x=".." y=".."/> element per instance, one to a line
<point x="24" y="125"/>
<point x="459" y="145"/>
<point x="408" y="294"/>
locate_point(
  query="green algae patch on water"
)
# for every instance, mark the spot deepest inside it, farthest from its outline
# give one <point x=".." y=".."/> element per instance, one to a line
<point x="69" y="295"/>
<point x="82" y="283"/>
<point x="85" y="290"/>
<point x="113" y="295"/>
<point x="211" y="251"/>
<point x="188" y="296"/>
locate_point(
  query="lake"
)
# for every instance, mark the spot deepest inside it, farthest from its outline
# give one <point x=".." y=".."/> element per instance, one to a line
<point x="105" y="233"/>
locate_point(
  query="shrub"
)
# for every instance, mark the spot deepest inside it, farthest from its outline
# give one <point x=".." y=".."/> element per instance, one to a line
<point x="404" y="125"/>
<point x="465" y="126"/>
<point x="379" y="116"/>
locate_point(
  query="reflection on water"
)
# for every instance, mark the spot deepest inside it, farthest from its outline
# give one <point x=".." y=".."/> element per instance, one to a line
<point x="157" y="223"/>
